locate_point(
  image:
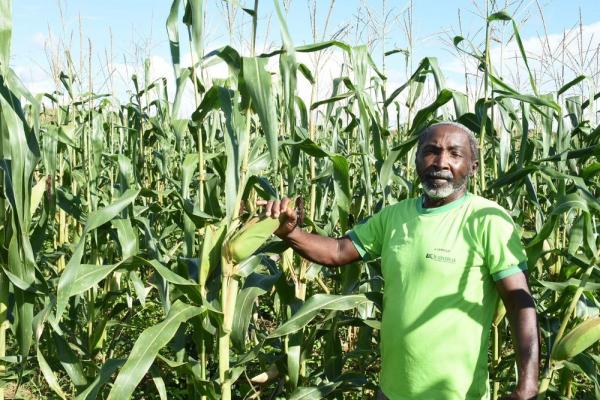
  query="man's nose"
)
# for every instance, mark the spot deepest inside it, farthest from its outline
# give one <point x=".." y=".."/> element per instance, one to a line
<point x="441" y="160"/>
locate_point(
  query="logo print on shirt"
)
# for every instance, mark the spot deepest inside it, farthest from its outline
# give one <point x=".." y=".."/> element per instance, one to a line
<point x="436" y="256"/>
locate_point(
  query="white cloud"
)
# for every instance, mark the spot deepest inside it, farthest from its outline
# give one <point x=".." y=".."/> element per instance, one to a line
<point x="39" y="40"/>
<point x="554" y="59"/>
<point x="547" y="55"/>
<point x="35" y="78"/>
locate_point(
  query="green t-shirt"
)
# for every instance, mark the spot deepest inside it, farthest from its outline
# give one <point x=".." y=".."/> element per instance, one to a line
<point x="439" y="266"/>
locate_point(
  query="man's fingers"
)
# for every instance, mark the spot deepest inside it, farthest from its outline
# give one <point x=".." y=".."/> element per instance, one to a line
<point x="276" y="208"/>
<point x="268" y="207"/>
<point x="291" y="216"/>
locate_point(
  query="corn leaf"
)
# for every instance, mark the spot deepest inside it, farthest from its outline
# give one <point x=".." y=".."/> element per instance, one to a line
<point x="258" y="83"/>
<point x="313" y="306"/>
<point x="146" y="348"/>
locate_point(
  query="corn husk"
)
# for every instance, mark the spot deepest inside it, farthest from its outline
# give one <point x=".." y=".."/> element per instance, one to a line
<point x="251" y="236"/>
<point x="580" y="338"/>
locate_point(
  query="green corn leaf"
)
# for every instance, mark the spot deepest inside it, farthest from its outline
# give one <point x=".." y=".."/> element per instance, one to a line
<point x="103" y="377"/>
<point x="21" y="284"/>
<point x="76" y="278"/>
<point x="49" y="375"/>
<point x="227" y="54"/>
<point x="570" y="283"/>
<point x="461" y="104"/>
<point x="258" y="83"/>
<point x="569" y="202"/>
<point x="315" y="392"/>
<point x="20" y="155"/>
<point x="38" y="325"/>
<point x="23" y="299"/>
<point x="533" y="100"/>
<point x="330" y="100"/>
<point x="256" y="285"/>
<point x="285" y="34"/>
<point x="102" y="216"/>
<point x="243" y="313"/>
<point x="5" y="32"/>
<point x="426" y="113"/>
<point x="173" y="34"/>
<point x="515" y="176"/>
<point x="313" y="306"/>
<point x="235" y="124"/>
<point x="309" y="48"/>
<point x="128" y="238"/>
<point x="295" y="341"/>
<point x="589" y="237"/>
<point x="197" y="9"/>
<point x="576" y="235"/>
<point x="341" y="185"/>
<point x="165" y="272"/>
<point x="210" y="254"/>
<point x="307" y="73"/>
<point x="83" y="277"/>
<point x="417" y="79"/>
<point x="37" y="193"/>
<point x="182" y="81"/>
<point x="570" y="84"/>
<point x="146" y="348"/>
<point x="158" y="382"/>
<point x="69" y="360"/>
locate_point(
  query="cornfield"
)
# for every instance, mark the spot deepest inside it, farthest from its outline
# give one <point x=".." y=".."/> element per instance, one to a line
<point x="133" y="265"/>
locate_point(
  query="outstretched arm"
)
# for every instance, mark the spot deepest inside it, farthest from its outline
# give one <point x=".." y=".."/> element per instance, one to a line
<point x="320" y="249"/>
<point x="520" y="309"/>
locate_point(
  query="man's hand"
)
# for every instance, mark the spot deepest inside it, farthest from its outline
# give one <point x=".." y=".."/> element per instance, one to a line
<point x="319" y="249"/>
<point x="520" y="310"/>
<point x="288" y="217"/>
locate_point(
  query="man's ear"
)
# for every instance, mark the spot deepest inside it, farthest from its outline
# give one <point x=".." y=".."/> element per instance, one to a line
<point x="474" y="167"/>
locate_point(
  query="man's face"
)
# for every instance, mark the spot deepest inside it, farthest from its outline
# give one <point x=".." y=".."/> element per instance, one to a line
<point x="444" y="162"/>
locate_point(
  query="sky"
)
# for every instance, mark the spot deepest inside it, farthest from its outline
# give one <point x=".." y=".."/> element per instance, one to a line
<point x="123" y="33"/>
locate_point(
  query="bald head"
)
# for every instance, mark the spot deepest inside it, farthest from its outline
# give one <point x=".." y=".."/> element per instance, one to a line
<point x="454" y="126"/>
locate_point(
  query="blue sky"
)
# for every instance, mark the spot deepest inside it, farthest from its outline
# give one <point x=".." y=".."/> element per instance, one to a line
<point x="138" y="27"/>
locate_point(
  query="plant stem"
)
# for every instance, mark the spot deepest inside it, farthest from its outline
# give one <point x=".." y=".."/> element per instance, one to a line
<point x="482" y="131"/>
<point x="229" y="289"/>
<point x="3" y="323"/>
<point x="496" y="352"/>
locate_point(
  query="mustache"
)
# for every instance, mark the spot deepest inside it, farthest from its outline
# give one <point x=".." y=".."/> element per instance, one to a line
<point x="439" y="175"/>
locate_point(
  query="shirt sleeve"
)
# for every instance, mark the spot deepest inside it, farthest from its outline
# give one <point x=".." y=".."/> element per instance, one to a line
<point x="504" y="252"/>
<point x="368" y="236"/>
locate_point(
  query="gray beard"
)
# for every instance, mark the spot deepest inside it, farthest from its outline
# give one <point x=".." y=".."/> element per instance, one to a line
<point x="441" y="192"/>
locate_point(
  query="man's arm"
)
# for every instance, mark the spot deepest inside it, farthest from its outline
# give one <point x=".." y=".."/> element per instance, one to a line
<point x="320" y="249"/>
<point x="520" y="309"/>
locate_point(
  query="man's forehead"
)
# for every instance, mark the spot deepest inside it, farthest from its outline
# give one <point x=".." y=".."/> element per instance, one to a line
<point x="446" y="133"/>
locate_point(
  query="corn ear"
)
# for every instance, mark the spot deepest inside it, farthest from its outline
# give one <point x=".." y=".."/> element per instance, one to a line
<point x="580" y="338"/>
<point x="252" y="235"/>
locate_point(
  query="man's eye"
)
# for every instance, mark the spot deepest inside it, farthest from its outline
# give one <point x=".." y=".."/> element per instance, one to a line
<point x="456" y="154"/>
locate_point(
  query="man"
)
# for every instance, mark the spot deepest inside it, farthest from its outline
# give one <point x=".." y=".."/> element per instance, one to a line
<point x="446" y="257"/>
